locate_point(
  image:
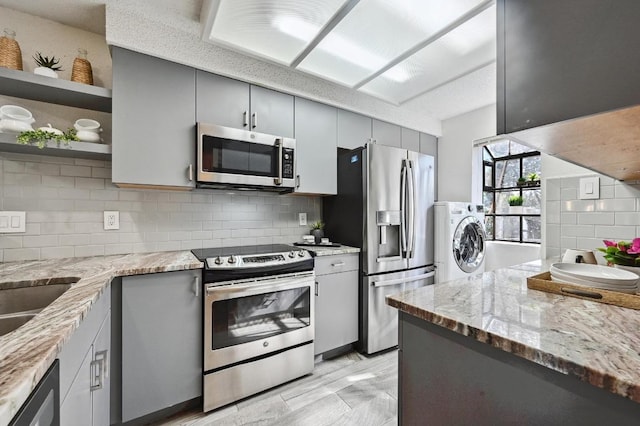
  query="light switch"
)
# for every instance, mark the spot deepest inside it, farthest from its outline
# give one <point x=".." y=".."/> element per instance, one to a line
<point x="590" y="188"/>
<point x="12" y="222"/>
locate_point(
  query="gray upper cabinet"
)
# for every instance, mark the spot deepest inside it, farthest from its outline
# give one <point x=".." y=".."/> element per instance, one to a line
<point x="161" y="341"/>
<point x="411" y="140"/>
<point x="559" y="60"/>
<point x="316" y="130"/>
<point x="153" y="121"/>
<point x="354" y="130"/>
<point x="232" y="103"/>
<point x="429" y="146"/>
<point x="386" y="133"/>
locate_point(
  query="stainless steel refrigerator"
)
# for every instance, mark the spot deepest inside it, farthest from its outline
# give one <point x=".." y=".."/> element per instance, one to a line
<point x="384" y="206"/>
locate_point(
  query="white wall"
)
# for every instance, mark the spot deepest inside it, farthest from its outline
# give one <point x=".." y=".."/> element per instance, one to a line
<point x="501" y="254"/>
<point x="456" y="166"/>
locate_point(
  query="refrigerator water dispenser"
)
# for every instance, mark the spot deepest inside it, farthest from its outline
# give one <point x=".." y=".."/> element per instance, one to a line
<point x="388" y="222"/>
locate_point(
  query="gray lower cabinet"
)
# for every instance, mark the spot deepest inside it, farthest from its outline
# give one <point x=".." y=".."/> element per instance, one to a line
<point x="153" y="115"/>
<point x="336" y="301"/>
<point x="85" y="369"/>
<point x="232" y="103"/>
<point x="161" y="341"/>
<point x="354" y="130"/>
<point x="386" y="133"/>
<point x="316" y="147"/>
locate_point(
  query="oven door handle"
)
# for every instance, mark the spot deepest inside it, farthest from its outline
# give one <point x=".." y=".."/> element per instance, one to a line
<point x="222" y="292"/>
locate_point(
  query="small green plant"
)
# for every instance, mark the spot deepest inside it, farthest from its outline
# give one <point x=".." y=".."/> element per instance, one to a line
<point x="515" y="200"/>
<point x="40" y="137"/>
<point x="45" y="61"/>
<point x="521" y="181"/>
<point x="533" y="177"/>
<point x="317" y="225"/>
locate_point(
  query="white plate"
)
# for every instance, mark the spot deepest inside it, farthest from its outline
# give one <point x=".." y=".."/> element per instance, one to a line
<point x="599" y="273"/>
<point x="619" y="290"/>
<point x="593" y="283"/>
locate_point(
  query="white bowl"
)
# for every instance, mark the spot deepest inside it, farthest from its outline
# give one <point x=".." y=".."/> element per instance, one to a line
<point x="14" y="126"/>
<point x="51" y="130"/>
<point x="599" y="273"/>
<point x="88" y="136"/>
<point x="86" y="124"/>
<point x="14" y="112"/>
<point x="569" y="278"/>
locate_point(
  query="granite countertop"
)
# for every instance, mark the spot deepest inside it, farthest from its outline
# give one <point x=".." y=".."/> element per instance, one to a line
<point x="331" y="251"/>
<point x="27" y="353"/>
<point x="595" y="342"/>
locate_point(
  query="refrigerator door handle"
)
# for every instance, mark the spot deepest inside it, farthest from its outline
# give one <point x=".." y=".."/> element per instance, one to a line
<point x="402" y="280"/>
<point x="403" y="207"/>
<point x="412" y="211"/>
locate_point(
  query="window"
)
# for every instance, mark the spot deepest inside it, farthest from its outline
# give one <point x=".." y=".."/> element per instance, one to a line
<point x="511" y="192"/>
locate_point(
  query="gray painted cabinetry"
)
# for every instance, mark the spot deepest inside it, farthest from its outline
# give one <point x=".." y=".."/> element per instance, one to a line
<point x="84" y="369"/>
<point x="232" y="103"/>
<point x="386" y="133"/>
<point x="153" y="121"/>
<point x="429" y="146"/>
<point x="316" y="147"/>
<point x="410" y="139"/>
<point x="336" y="301"/>
<point x="354" y="130"/>
<point x="161" y="341"/>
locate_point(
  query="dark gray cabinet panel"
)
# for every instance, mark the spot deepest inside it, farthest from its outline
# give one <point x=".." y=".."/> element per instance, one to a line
<point x="316" y="147"/>
<point x="271" y="112"/>
<point x="411" y="140"/>
<point x="161" y="341"/>
<point x="222" y="101"/>
<point x="564" y="59"/>
<point x="354" y="130"/>
<point x="153" y="120"/>
<point x="386" y="133"/>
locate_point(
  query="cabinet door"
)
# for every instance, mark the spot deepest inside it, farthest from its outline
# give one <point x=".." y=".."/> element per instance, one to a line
<point x="161" y="341"/>
<point x="411" y="140"/>
<point x="336" y="310"/>
<point x="316" y="147"/>
<point x="354" y="130"/>
<point x="386" y="133"/>
<point x="102" y="352"/>
<point x="222" y="101"/>
<point x="271" y="112"/>
<point x="429" y="146"/>
<point x="153" y="121"/>
<point x="76" y="408"/>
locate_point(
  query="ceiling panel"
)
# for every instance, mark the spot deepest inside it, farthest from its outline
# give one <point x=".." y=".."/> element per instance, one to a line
<point x="278" y="30"/>
<point x="376" y="32"/>
<point x="461" y="51"/>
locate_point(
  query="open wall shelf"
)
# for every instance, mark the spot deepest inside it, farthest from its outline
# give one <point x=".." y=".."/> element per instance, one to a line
<point x="93" y="151"/>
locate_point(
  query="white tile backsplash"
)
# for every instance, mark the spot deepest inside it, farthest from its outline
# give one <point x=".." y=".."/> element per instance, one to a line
<point x="64" y="199"/>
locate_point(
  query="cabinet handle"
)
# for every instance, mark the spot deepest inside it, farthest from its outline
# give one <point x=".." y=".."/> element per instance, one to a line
<point x="337" y="264"/>
<point x="297" y="181"/>
<point x="316" y="288"/>
<point x="196" y="286"/>
<point x="245" y="118"/>
<point x="190" y="172"/>
<point x="254" y="120"/>
<point x="99" y="370"/>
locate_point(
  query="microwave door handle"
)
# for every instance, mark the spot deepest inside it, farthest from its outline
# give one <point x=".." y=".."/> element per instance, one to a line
<point x="279" y="145"/>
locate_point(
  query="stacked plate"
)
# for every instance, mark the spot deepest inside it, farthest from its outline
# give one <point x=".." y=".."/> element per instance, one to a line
<point x="596" y="276"/>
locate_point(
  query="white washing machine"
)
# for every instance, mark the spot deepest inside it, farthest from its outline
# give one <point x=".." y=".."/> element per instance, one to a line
<point x="459" y="240"/>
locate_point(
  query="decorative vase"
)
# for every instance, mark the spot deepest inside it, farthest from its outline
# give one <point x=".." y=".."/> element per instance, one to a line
<point x="634" y="269"/>
<point x="82" y="71"/>
<point x="10" y="53"/>
<point x="47" y="72"/>
<point x="317" y="235"/>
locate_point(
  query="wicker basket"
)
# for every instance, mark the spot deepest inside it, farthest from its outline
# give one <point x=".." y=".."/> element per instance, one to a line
<point x="81" y="71"/>
<point x="10" y="54"/>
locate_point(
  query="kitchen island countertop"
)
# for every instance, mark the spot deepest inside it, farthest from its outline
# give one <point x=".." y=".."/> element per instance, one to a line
<point x="27" y="352"/>
<point x="594" y="342"/>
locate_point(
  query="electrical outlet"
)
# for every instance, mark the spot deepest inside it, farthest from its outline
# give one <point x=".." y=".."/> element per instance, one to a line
<point x="12" y="222"/>
<point x="302" y="217"/>
<point x="111" y="220"/>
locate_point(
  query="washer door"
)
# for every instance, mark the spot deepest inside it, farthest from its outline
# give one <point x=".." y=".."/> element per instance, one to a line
<point x="468" y="244"/>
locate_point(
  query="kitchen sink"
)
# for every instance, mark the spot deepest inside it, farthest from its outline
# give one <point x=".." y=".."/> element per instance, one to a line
<point x="19" y="304"/>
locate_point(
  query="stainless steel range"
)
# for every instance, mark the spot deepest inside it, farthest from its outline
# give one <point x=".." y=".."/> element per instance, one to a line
<point x="258" y="319"/>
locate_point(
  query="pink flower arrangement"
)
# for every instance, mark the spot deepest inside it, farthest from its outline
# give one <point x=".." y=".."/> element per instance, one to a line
<point x="622" y="252"/>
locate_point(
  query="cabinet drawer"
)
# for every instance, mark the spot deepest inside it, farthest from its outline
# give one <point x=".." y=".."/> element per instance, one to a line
<point x="338" y="263"/>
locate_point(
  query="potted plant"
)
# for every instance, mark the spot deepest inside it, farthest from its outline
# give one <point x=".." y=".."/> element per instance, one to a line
<point x="534" y="179"/>
<point x="515" y="204"/>
<point x="46" y="66"/>
<point x="317" y="231"/>
<point x="521" y="181"/>
<point x="623" y="254"/>
<point x="41" y="136"/>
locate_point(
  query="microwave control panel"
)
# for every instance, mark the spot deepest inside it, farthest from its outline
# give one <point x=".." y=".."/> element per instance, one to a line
<point x="287" y="163"/>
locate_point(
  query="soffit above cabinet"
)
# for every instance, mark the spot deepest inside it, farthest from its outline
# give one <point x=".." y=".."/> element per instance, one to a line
<point x="393" y="50"/>
<point x="608" y="143"/>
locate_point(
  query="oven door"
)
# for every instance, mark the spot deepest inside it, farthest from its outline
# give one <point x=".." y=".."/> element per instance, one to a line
<point x="238" y="157"/>
<point x="250" y="318"/>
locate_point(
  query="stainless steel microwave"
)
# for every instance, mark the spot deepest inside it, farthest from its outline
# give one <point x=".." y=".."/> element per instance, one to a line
<point x="240" y="159"/>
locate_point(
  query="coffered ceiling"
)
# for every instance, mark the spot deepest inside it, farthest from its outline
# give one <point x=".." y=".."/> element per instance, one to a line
<point x="436" y="56"/>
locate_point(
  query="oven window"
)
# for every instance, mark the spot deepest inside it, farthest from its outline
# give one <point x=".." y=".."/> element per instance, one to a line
<point x="250" y="318"/>
<point x="236" y="157"/>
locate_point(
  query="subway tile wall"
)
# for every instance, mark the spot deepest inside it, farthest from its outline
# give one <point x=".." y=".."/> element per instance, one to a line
<point x="574" y="223"/>
<point x="65" y="198"/>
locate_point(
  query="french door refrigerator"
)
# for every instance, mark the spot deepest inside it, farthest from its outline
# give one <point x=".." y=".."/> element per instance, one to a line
<point x="384" y="206"/>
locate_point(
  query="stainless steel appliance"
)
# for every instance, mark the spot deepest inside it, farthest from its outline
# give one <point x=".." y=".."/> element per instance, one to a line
<point x="228" y="157"/>
<point x="384" y="206"/>
<point x="258" y="319"/>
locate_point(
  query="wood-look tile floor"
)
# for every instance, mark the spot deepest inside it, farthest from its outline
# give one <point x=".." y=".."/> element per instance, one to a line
<point x="351" y="389"/>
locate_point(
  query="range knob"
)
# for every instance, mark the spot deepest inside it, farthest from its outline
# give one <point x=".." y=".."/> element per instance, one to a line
<point x="301" y="253"/>
<point x="231" y="259"/>
<point x="218" y="260"/>
<point x="292" y="254"/>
